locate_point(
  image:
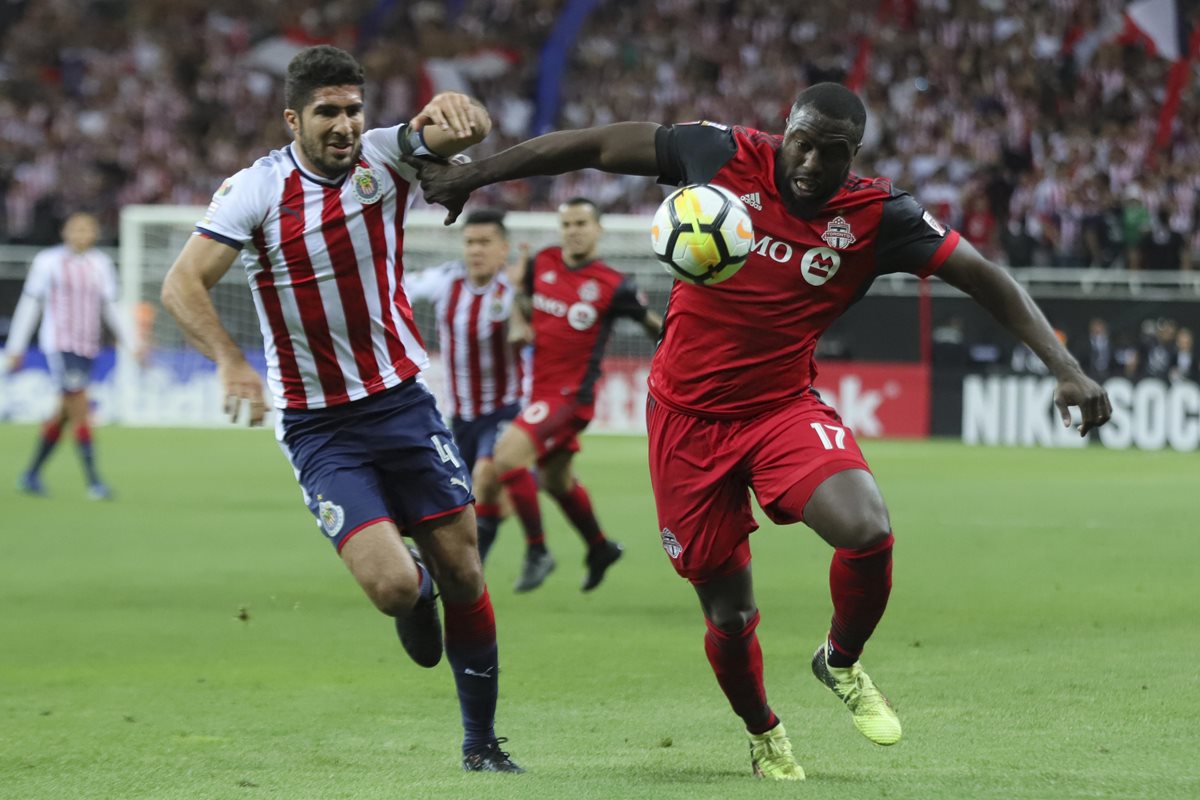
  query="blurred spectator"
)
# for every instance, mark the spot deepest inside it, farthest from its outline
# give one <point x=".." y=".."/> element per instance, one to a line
<point x="1128" y="359"/>
<point x="1158" y="347"/>
<point x="1184" y="367"/>
<point x="979" y="225"/>
<point x="1098" y="357"/>
<point x="1039" y="107"/>
<point x="1162" y="247"/>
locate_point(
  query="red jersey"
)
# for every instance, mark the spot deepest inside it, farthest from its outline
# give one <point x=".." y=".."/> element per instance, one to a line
<point x="746" y="345"/>
<point x="573" y="313"/>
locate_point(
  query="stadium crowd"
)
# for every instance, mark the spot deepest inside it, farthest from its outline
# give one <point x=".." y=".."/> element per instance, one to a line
<point x="1029" y="125"/>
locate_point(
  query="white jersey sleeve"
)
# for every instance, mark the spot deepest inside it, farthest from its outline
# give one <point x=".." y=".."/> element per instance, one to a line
<point x="37" y="282"/>
<point x="29" y="307"/>
<point x="238" y="207"/>
<point x="430" y="284"/>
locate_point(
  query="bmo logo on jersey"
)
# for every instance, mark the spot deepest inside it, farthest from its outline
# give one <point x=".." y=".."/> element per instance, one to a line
<point x="550" y="305"/>
<point x="819" y="265"/>
<point x="582" y="316"/>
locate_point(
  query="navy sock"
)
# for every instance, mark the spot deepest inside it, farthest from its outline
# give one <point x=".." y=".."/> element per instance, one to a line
<point x="473" y="656"/>
<point x="487" y="521"/>
<point x="45" y="446"/>
<point x="83" y="440"/>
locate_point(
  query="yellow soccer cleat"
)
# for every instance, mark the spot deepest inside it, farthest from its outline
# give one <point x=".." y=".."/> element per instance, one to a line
<point x="771" y="756"/>
<point x="873" y="714"/>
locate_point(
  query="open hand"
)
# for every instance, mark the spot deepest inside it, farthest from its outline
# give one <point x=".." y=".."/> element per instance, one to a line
<point x="1080" y="390"/>
<point x="446" y="184"/>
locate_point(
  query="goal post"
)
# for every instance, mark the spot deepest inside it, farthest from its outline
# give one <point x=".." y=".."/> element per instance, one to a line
<point x="178" y="386"/>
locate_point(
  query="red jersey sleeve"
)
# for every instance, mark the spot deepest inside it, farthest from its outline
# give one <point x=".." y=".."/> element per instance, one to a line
<point x="911" y="239"/>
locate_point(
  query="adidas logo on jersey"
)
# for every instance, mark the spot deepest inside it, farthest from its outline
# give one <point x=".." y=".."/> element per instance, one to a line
<point x="752" y="199"/>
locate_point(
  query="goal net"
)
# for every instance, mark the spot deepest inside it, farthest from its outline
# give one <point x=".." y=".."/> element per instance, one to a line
<point x="177" y="386"/>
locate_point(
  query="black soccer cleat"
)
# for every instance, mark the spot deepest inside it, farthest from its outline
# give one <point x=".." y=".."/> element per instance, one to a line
<point x="490" y="758"/>
<point x="598" y="560"/>
<point x="420" y="630"/>
<point x="534" y="571"/>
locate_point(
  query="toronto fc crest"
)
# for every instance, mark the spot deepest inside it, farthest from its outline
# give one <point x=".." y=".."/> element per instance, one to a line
<point x="364" y="185"/>
<point x="837" y="234"/>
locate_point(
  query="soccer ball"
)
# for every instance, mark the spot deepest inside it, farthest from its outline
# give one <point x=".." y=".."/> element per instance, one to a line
<point x="702" y="234"/>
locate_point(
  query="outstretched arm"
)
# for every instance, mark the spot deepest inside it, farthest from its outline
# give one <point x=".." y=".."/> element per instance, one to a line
<point x="994" y="289"/>
<point x="625" y="147"/>
<point x="185" y="294"/>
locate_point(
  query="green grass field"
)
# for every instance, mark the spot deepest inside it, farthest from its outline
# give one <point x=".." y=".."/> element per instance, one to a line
<point x="196" y="638"/>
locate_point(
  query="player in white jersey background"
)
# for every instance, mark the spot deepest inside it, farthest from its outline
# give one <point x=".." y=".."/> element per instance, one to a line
<point x="318" y="227"/>
<point x="481" y="367"/>
<point x="74" y="288"/>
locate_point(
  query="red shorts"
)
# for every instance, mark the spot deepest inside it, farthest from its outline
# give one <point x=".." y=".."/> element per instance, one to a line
<point x="702" y="471"/>
<point x="554" y="425"/>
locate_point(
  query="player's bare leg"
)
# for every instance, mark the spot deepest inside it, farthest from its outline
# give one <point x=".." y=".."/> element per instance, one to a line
<point x="450" y="545"/>
<point x="557" y="477"/>
<point x="489" y="501"/>
<point x="515" y="454"/>
<point x="732" y="647"/>
<point x="399" y="586"/>
<point x="848" y="511"/>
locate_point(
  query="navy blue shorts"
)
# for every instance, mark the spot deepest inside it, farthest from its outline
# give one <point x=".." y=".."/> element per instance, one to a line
<point x="385" y="457"/>
<point x="476" y="438"/>
<point x="71" y="371"/>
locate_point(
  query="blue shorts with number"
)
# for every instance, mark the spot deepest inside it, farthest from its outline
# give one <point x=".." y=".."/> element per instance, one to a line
<point x="385" y="457"/>
<point x="476" y="438"/>
<point x="71" y="371"/>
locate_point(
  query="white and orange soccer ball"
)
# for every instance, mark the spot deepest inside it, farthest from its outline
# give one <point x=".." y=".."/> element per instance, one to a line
<point x="702" y="234"/>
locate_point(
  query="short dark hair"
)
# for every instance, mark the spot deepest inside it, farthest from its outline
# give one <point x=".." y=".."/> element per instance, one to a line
<point x="833" y="100"/>
<point x="317" y="67"/>
<point x="487" y="216"/>
<point x="583" y="201"/>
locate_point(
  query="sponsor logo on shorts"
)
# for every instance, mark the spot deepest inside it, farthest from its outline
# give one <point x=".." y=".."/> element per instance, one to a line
<point x="671" y="544"/>
<point x="456" y="481"/>
<point x="332" y="516"/>
<point x="536" y="412"/>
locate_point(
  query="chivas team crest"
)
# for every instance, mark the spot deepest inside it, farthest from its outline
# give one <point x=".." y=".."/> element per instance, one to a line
<point x="364" y="185"/>
<point x="332" y="516"/>
<point x="837" y="234"/>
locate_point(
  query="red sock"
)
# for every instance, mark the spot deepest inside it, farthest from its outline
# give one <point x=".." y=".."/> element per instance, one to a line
<point x="51" y="431"/>
<point x="83" y="433"/>
<point x="737" y="661"/>
<point x="577" y="507"/>
<point x="860" y="582"/>
<point x="522" y="490"/>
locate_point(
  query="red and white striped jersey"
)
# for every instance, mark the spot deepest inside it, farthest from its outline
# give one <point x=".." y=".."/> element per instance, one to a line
<point x="482" y="370"/>
<point x="73" y="290"/>
<point x="324" y="262"/>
